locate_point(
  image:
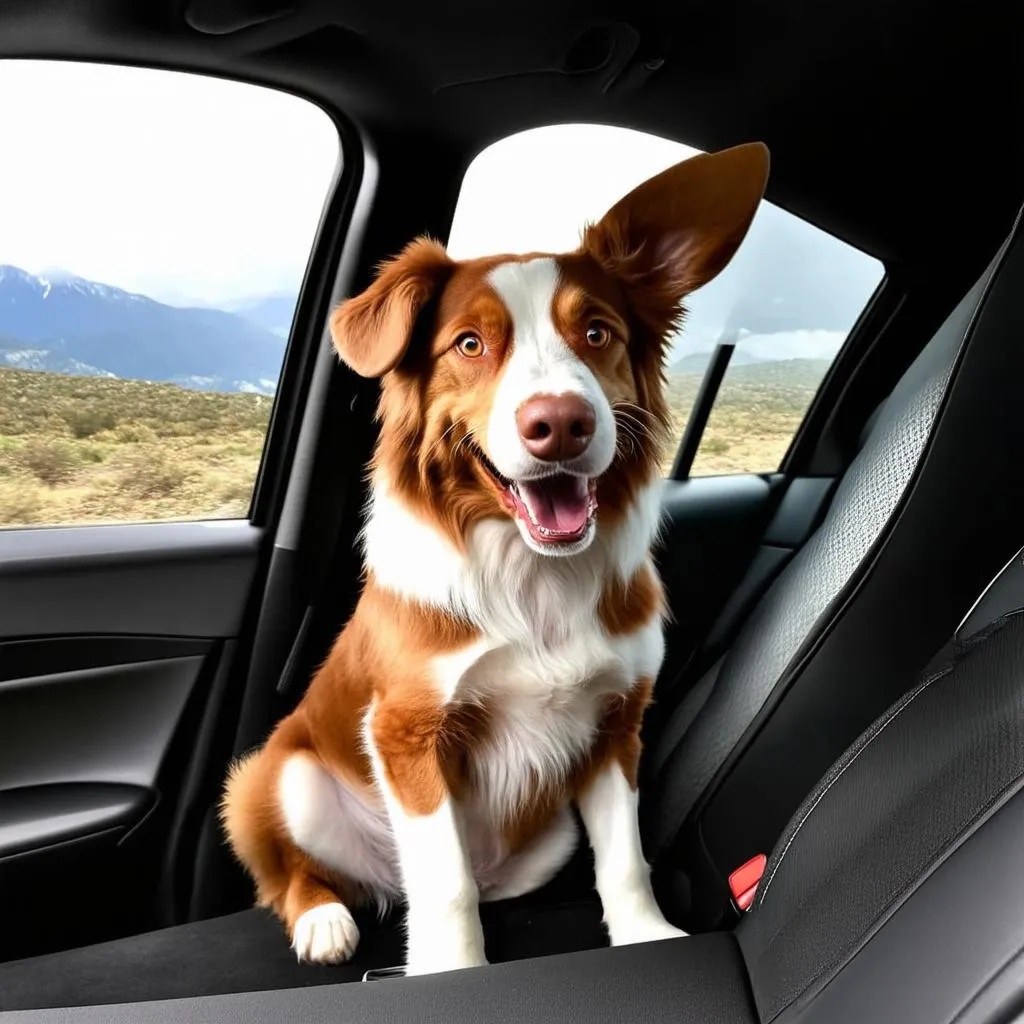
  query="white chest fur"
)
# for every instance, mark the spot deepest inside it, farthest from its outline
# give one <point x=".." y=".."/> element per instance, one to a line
<point x="544" y="663"/>
<point x="501" y="585"/>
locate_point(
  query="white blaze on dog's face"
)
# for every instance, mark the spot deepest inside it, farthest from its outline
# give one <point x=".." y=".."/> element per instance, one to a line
<point x="551" y="430"/>
<point x="532" y="386"/>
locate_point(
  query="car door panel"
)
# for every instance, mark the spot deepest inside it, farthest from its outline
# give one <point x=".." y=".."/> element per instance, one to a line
<point x="108" y="637"/>
<point x="84" y="789"/>
<point x="711" y="527"/>
<point x="35" y="817"/>
<point x="111" y="723"/>
<point x="724" y="540"/>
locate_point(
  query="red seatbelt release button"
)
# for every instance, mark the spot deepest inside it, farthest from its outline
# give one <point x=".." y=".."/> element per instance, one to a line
<point x="744" y="880"/>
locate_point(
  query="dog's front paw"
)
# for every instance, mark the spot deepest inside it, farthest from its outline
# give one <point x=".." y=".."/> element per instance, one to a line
<point x="325" y="935"/>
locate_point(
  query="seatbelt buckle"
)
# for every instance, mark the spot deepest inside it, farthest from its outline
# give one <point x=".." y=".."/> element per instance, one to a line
<point x="743" y="882"/>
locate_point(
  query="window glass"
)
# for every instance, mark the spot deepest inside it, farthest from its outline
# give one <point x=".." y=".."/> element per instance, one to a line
<point x="156" y="228"/>
<point x="787" y="299"/>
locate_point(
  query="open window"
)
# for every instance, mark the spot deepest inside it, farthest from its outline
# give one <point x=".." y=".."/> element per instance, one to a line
<point x="782" y="308"/>
<point x="156" y="231"/>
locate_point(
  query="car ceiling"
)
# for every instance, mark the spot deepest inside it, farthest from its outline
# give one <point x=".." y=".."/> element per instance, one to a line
<point x="896" y="125"/>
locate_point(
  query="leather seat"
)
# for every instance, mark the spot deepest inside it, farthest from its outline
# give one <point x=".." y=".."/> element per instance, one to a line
<point x="923" y="518"/>
<point x="925" y="514"/>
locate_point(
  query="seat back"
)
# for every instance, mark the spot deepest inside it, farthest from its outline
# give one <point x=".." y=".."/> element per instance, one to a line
<point x="857" y="612"/>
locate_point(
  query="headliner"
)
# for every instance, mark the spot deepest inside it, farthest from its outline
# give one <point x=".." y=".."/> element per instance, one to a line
<point x="896" y="125"/>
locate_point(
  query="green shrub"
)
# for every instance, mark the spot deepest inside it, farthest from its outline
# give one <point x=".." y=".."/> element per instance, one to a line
<point x="53" y="462"/>
<point x="154" y="476"/>
<point x="86" y="422"/>
<point x="715" y="445"/>
<point x="135" y="433"/>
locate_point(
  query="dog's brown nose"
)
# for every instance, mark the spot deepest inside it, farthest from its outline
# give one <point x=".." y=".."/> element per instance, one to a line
<point x="556" y="427"/>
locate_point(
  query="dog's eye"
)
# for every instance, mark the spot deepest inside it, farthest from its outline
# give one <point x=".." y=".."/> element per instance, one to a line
<point x="598" y="334"/>
<point x="470" y="346"/>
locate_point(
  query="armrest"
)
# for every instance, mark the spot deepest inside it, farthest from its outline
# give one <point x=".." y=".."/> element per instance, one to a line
<point x="34" y="817"/>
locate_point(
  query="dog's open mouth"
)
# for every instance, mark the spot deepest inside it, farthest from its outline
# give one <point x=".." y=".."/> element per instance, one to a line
<point x="555" y="509"/>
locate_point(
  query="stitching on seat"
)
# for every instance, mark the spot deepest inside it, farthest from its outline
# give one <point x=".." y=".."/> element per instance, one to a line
<point x="896" y="712"/>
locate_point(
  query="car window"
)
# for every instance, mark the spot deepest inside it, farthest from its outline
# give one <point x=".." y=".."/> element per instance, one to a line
<point x="787" y="300"/>
<point x="156" y="228"/>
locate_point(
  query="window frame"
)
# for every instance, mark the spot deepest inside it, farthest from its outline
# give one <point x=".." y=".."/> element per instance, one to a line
<point x="879" y="311"/>
<point x="309" y="322"/>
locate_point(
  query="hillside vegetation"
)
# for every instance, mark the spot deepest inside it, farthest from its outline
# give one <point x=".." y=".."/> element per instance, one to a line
<point x="90" y="449"/>
<point x="758" y="410"/>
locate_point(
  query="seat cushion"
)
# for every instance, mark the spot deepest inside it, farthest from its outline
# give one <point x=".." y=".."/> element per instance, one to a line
<point x="249" y="952"/>
<point x="698" y="980"/>
<point x="900" y="801"/>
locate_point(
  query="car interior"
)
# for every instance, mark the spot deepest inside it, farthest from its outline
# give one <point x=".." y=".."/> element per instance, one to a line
<point x="830" y="790"/>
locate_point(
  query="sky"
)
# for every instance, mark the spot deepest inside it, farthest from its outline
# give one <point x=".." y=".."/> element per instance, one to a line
<point x="195" y="190"/>
<point x="186" y="188"/>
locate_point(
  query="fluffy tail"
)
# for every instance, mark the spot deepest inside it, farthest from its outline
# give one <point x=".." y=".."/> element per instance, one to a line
<point x="249" y="817"/>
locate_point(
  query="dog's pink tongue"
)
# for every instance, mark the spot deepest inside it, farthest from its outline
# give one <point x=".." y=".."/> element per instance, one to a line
<point x="559" y="503"/>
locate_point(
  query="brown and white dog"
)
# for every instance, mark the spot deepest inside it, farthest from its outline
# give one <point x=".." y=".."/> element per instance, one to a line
<point x="503" y="651"/>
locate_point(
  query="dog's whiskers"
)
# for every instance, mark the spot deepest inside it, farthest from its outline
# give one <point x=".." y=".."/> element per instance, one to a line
<point x="638" y="429"/>
<point x="632" y="427"/>
<point x="460" y="421"/>
<point x="625" y="433"/>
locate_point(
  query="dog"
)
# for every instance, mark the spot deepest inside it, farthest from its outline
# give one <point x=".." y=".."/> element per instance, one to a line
<point x="504" y="648"/>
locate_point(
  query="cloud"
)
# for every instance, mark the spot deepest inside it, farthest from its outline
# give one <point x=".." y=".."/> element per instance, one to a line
<point x="793" y="344"/>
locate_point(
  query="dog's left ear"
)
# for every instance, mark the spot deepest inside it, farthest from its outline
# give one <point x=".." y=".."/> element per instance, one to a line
<point x="372" y="331"/>
<point x="679" y="229"/>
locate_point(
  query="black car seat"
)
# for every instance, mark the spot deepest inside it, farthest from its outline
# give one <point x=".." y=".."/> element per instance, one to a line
<point x="925" y="514"/>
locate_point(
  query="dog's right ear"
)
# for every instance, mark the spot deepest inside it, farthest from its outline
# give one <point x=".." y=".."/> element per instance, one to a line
<point x="372" y="331"/>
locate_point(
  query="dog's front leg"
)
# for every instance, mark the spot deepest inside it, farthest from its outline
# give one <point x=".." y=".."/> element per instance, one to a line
<point x="443" y="919"/>
<point x="608" y="805"/>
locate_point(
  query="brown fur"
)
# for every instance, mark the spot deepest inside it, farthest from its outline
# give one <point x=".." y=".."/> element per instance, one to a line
<point x="626" y="607"/>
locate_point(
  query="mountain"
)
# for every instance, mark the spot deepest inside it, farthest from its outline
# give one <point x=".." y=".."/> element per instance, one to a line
<point x="697" y="362"/>
<point x="66" y="324"/>
<point x="271" y="312"/>
<point x="22" y="355"/>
